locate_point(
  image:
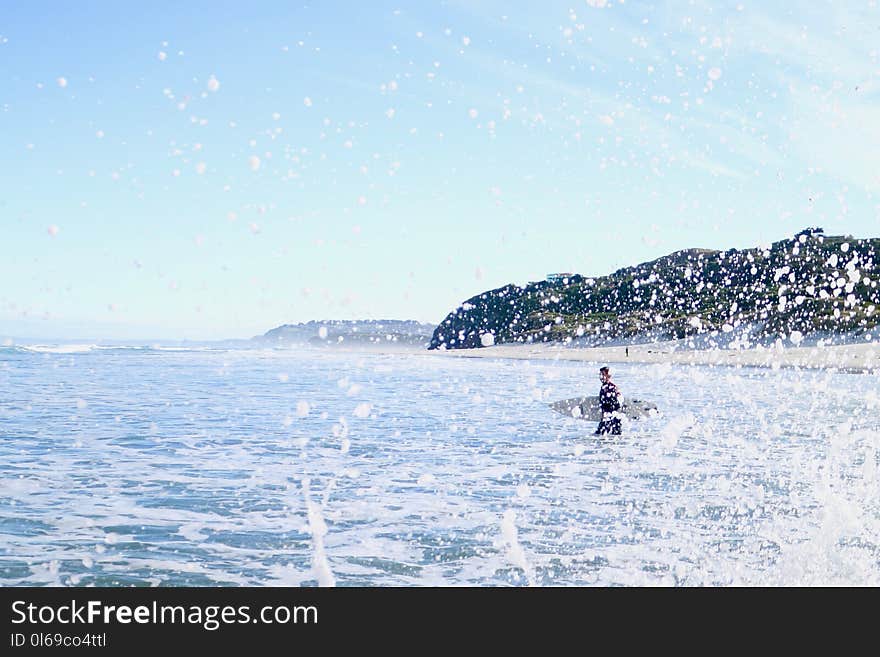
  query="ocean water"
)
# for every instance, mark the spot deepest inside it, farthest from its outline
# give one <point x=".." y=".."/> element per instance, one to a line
<point x="197" y="467"/>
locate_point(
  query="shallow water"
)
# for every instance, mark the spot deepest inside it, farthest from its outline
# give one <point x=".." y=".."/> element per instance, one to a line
<point x="175" y="467"/>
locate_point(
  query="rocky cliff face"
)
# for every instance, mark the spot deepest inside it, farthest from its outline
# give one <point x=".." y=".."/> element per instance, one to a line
<point x="807" y="284"/>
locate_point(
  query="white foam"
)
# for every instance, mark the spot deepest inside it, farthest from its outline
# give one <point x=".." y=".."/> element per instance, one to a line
<point x="60" y="349"/>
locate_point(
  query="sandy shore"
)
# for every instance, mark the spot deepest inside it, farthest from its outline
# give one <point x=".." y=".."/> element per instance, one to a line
<point x="849" y="358"/>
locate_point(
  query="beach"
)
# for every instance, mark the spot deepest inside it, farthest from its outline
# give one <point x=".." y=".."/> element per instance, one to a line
<point x="863" y="357"/>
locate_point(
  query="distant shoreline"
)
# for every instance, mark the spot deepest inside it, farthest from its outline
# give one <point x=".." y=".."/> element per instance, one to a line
<point x="863" y="357"/>
<point x="856" y="358"/>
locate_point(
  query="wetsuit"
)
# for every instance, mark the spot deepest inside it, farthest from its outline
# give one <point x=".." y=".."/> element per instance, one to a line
<point x="609" y="402"/>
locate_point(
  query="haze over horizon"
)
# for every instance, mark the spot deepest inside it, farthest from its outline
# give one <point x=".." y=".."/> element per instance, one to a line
<point x="214" y="170"/>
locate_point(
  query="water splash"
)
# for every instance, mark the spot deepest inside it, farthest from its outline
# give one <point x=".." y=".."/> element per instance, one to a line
<point x="515" y="552"/>
<point x="318" y="530"/>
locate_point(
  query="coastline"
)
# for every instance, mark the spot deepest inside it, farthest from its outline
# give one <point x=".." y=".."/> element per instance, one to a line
<point x="856" y="358"/>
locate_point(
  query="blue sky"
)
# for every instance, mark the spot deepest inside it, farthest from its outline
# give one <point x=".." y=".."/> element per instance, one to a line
<point x="211" y="170"/>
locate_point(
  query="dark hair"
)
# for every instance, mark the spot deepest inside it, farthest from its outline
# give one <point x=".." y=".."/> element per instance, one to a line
<point x="604" y="370"/>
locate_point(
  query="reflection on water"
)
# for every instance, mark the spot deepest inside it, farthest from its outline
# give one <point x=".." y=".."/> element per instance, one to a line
<point x="197" y="468"/>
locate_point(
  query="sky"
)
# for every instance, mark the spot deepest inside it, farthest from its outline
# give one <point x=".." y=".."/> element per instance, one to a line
<point x="210" y="170"/>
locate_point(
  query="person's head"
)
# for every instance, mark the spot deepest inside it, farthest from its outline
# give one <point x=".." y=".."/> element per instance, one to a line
<point x="604" y="374"/>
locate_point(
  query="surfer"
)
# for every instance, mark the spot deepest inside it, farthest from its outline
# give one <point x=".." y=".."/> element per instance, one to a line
<point x="609" y="402"/>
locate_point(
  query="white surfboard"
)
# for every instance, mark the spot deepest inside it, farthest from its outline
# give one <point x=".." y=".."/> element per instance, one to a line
<point x="587" y="408"/>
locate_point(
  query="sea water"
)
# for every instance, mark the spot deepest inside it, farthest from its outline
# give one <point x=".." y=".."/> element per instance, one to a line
<point x="153" y="466"/>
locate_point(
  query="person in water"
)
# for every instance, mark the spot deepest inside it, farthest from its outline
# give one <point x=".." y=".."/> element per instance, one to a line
<point x="609" y="402"/>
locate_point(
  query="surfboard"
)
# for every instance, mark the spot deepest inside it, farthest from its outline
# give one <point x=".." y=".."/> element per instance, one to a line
<point x="587" y="408"/>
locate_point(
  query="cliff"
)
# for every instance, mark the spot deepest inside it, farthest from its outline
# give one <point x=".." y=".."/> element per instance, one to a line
<point x="805" y="285"/>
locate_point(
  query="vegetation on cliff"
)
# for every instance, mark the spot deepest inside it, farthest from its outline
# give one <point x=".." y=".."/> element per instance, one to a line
<point x="800" y="286"/>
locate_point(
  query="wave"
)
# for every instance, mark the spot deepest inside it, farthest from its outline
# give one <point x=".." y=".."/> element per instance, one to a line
<point x="91" y="348"/>
<point x="59" y="348"/>
<point x="45" y="349"/>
